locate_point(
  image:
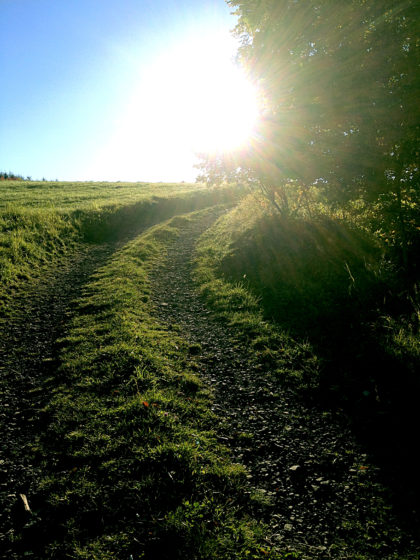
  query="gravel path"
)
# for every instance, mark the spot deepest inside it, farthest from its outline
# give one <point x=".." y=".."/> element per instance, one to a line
<point x="321" y="488"/>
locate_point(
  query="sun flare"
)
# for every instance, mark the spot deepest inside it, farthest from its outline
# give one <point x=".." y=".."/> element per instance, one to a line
<point x="199" y="94"/>
<point x="227" y="114"/>
<point x="190" y="99"/>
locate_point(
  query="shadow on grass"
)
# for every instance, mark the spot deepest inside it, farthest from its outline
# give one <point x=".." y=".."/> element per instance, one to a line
<point x="327" y="283"/>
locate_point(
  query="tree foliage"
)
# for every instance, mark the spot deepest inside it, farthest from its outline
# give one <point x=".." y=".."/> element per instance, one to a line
<point x="4" y="176"/>
<point x="339" y="83"/>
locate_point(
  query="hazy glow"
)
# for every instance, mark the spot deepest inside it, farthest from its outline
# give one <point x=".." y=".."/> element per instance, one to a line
<point x="189" y="99"/>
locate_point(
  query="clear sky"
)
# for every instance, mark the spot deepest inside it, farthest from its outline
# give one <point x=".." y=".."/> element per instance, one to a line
<point x="113" y="89"/>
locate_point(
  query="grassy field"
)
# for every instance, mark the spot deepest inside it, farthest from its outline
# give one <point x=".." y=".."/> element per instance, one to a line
<point x="78" y="195"/>
<point x="131" y="466"/>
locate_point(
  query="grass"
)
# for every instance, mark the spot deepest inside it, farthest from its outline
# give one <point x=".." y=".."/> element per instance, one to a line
<point x="40" y="222"/>
<point x="320" y="280"/>
<point x="132" y="467"/>
<point x="78" y="195"/>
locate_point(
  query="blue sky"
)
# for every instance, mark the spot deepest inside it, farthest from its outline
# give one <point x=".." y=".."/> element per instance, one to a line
<point x="89" y="85"/>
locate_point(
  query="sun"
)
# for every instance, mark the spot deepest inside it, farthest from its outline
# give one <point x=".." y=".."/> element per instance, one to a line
<point x="219" y="106"/>
<point x="227" y="114"/>
<point x="199" y="94"/>
<point x="191" y="98"/>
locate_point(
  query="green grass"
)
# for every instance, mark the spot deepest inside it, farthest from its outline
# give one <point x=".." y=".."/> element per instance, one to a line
<point x="132" y="464"/>
<point x="79" y="195"/>
<point x="320" y="280"/>
<point x="301" y="270"/>
<point x="292" y="361"/>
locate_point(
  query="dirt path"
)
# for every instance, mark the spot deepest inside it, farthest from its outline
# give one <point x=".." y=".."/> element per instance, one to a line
<point x="322" y="492"/>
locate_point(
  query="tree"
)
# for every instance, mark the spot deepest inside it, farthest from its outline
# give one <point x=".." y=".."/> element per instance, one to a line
<point x="340" y="82"/>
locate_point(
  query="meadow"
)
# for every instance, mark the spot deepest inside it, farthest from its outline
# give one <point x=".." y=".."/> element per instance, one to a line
<point x="121" y="408"/>
<point x="78" y="195"/>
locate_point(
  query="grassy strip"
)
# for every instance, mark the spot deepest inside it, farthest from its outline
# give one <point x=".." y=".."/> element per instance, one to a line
<point x="35" y="232"/>
<point x="135" y="470"/>
<point x="289" y="360"/>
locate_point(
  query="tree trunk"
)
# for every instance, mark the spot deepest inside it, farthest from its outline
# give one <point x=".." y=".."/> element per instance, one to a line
<point x="401" y="220"/>
<point x="269" y="194"/>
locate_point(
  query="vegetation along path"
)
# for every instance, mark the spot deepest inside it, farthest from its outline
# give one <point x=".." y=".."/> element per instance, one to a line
<point x="320" y="494"/>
